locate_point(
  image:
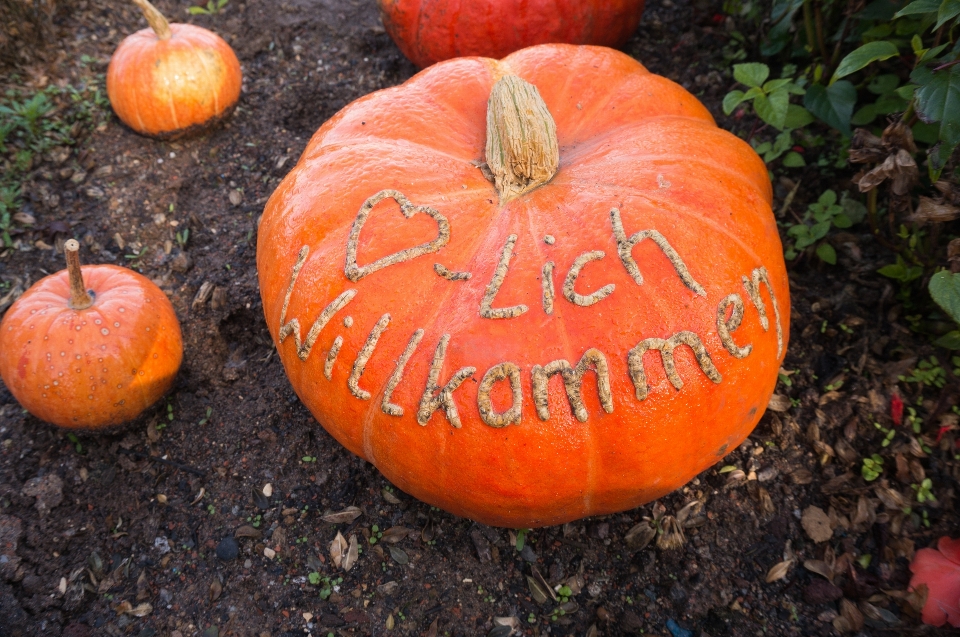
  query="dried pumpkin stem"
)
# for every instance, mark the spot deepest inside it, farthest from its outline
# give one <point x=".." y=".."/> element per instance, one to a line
<point x="522" y="151"/>
<point x="155" y="19"/>
<point x="80" y="299"/>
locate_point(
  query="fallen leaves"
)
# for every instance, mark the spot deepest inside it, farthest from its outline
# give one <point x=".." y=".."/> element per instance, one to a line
<point x="346" y="516"/>
<point x="816" y="523"/>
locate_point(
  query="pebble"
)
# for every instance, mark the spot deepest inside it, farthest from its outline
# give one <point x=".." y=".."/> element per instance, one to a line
<point x="228" y="549"/>
<point x="528" y="553"/>
<point x="166" y="596"/>
<point x="269" y="553"/>
<point x="268" y="489"/>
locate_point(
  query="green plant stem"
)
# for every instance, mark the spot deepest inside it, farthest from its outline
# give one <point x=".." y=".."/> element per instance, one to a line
<point x="820" y="41"/>
<point x="808" y="24"/>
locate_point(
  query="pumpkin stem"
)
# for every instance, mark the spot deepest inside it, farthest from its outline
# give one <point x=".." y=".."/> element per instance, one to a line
<point x="522" y="150"/>
<point x="155" y="19"/>
<point x="80" y="299"/>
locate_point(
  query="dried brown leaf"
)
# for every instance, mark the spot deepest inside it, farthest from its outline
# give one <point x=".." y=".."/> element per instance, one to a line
<point x="691" y="514"/>
<point x="671" y="534"/>
<point x="779" y="402"/>
<point x="338" y="549"/>
<point x="820" y="568"/>
<point x="816" y="523"/>
<point x="866" y="148"/>
<point x="537" y="591"/>
<point x="395" y="533"/>
<point x="850" y="612"/>
<point x="778" y="571"/>
<point x="216" y="589"/>
<point x="343" y="517"/>
<point x="891" y="498"/>
<point x="801" y="475"/>
<point x="640" y="535"/>
<point x="353" y="552"/>
<point x="429" y="532"/>
<point x="898" y="136"/>
<point x="766" y="502"/>
<point x="933" y="211"/>
<point x="389" y="497"/>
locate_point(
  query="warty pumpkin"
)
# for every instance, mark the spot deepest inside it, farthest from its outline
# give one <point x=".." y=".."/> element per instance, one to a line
<point x="529" y="290"/>
<point x="170" y="80"/>
<point x="428" y="31"/>
<point x="90" y="347"/>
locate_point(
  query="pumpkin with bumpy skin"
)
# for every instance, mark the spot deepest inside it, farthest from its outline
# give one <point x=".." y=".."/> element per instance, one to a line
<point x="529" y="290"/>
<point x="172" y="80"/>
<point x="89" y="348"/>
<point x="428" y="31"/>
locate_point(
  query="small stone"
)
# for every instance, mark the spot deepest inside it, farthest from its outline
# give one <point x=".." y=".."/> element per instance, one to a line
<point x="235" y="197"/>
<point x="181" y="263"/>
<point x="11" y="532"/>
<point x="228" y="549"/>
<point x="47" y="489"/>
<point x="269" y="553"/>
<point x="268" y="489"/>
<point x="528" y="553"/>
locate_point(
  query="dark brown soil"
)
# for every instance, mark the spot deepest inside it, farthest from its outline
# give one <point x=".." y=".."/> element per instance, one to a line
<point x="232" y="423"/>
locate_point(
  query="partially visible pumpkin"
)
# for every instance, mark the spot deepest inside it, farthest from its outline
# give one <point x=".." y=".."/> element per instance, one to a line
<point x="582" y="336"/>
<point x="90" y="348"/>
<point x="172" y="79"/>
<point x="428" y="31"/>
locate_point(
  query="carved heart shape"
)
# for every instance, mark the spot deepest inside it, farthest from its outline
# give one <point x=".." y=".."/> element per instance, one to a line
<point x="355" y="272"/>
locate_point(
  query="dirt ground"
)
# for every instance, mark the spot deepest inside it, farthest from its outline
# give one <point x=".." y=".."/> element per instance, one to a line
<point x="160" y="528"/>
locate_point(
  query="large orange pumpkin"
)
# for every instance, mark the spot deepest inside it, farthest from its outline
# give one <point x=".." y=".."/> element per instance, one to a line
<point x="584" y="337"/>
<point x="90" y="348"/>
<point x="428" y="31"/>
<point x="172" y="79"/>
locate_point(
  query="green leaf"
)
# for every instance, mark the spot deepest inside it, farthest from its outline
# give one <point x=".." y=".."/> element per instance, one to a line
<point x="772" y="85"/>
<point x="917" y="7"/>
<point x="864" y="115"/>
<point x="841" y="221"/>
<point x="892" y="271"/>
<point x="732" y="100"/>
<point x="820" y="230"/>
<point x="832" y="104"/>
<point x="950" y="340"/>
<point x="794" y="159"/>
<point x="772" y="108"/>
<point x="752" y="73"/>
<point x="948" y="11"/>
<point x="828" y="198"/>
<point x="938" y="100"/>
<point x="891" y="103"/>
<point x="945" y="290"/>
<point x="907" y="91"/>
<point x="883" y="83"/>
<point x="797" y="117"/>
<point x="827" y="254"/>
<point x="866" y="54"/>
<point x="853" y="209"/>
<point x="932" y="53"/>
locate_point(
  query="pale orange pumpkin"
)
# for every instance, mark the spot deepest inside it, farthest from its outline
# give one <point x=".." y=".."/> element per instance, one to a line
<point x="585" y="336"/>
<point x="172" y="79"/>
<point x="90" y="348"/>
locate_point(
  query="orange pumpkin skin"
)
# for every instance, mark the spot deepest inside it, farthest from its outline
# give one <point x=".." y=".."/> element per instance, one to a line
<point x="628" y="140"/>
<point x="96" y="367"/>
<point x="169" y="88"/>
<point x="428" y="31"/>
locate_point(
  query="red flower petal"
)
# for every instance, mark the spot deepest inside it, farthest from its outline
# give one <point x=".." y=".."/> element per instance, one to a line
<point x="942" y="577"/>
<point x="950" y="549"/>
<point x="896" y="409"/>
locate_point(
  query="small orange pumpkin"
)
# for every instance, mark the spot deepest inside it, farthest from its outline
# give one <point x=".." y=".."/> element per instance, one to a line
<point x="428" y="31"/>
<point x="529" y="290"/>
<point x="89" y="356"/>
<point x="172" y="79"/>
